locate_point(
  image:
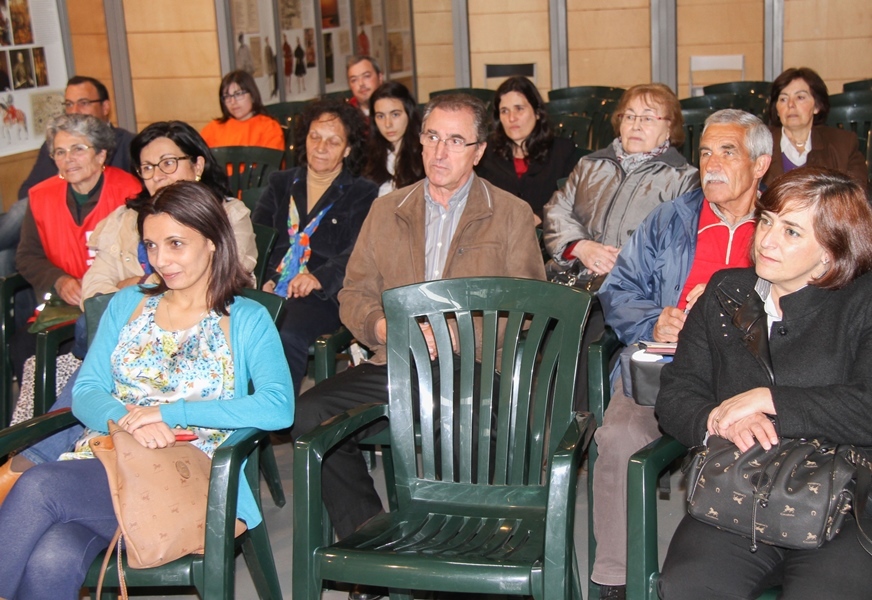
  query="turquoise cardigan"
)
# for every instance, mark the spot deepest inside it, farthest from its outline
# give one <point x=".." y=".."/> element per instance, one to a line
<point x="257" y="357"/>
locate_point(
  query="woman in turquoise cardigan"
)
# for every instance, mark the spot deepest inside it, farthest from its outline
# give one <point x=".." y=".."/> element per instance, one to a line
<point x="168" y="361"/>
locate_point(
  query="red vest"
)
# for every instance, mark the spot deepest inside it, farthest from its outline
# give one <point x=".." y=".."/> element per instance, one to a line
<point x="66" y="243"/>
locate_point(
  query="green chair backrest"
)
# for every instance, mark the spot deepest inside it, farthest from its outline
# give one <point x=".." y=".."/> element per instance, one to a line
<point x="251" y="196"/>
<point x="715" y="101"/>
<point x="852" y="98"/>
<point x="340" y="95"/>
<point x="739" y="87"/>
<point x="287" y="113"/>
<point x="248" y="166"/>
<point x="475" y="434"/>
<point x="574" y="127"/>
<point x="95" y="306"/>
<point x="264" y="239"/>
<point x="694" y="121"/>
<point x="859" y="120"/>
<point x="862" y="84"/>
<point x="580" y="91"/>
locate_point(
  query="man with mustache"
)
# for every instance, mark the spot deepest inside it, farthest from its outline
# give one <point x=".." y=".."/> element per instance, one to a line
<point x="364" y="75"/>
<point x="656" y="279"/>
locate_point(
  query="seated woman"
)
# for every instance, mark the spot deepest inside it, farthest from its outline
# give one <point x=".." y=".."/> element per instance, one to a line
<point x="798" y="109"/>
<point x="162" y="153"/>
<point x="610" y="191"/>
<point x="395" y="151"/>
<point x="63" y="212"/>
<point x="211" y="343"/>
<point x="243" y="121"/>
<point x="523" y="156"/>
<point x="809" y="296"/>
<point x="318" y="209"/>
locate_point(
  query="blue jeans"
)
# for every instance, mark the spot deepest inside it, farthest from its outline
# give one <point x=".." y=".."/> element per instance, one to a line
<point x="48" y="449"/>
<point x="54" y="522"/>
<point x="10" y="231"/>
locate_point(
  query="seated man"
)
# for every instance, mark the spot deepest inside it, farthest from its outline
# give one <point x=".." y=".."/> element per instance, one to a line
<point x="364" y="75"/>
<point x="451" y="224"/>
<point x="655" y="281"/>
<point x="86" y="96"/>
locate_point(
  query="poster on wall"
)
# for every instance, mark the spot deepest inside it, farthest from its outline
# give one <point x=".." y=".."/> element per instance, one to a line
<point x="33" y="72"/>
<point x="299" y="67"/>
<point x="336" y="30"/>
<point x="255" y="46"/>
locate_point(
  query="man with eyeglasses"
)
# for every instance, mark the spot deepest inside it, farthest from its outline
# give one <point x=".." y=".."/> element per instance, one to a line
<point x="452" y="224"/>
<point x="655" y="281"/>
<point x="83" y="95"/>
<point x="364" y="75"/>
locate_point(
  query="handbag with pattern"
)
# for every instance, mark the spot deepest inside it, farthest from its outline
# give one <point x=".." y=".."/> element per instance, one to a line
<point x="795" y="495"/>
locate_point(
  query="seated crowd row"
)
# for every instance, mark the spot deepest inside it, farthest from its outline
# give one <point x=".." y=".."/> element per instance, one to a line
<point x="643" y="226"/>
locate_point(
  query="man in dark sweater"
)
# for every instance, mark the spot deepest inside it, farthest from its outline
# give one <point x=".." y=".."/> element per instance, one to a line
<point x="84" y="95"/>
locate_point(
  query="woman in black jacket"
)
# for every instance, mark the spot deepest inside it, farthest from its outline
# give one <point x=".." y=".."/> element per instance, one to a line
<point x="523" y="157"/>
<point x="317" y="209"/>
<point x="780" y="350"/>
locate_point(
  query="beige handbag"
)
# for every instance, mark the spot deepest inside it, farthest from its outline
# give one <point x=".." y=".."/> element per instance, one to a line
<point x="160" y="497"/>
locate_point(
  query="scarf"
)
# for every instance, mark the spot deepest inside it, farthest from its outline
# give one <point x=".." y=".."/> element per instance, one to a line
<point x="631" y="162"/>
<point x="299" y="251"/>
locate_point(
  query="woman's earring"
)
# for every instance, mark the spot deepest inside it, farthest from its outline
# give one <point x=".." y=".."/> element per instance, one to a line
<point x="197" y="178"/>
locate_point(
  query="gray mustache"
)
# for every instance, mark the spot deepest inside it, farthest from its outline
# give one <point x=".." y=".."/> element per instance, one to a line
<point x="710" y="177"/>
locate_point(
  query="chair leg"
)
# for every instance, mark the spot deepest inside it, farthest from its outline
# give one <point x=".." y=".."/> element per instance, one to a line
<point x="270" y="469"/>
<point x="258" y="556"/>
<point x="396" y="594"/>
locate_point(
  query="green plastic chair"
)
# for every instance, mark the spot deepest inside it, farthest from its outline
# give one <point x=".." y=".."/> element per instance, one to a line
<point x="859" y="120"/>
<point x="713" y="101"/>
<point x="580" y="91"/>
<point x="286" y="113"/>
<point x="862" y="84"/>
<point x="643" y="476"/>
<point x="743" y="88"/>
<point x="852" y="98"/>
<point x="248" y="166"/>
<point x="694" y="121"/>
<point x="574" y="127"/>
<point x="264" y="240"/>
<point x="343" y="95"/>
<point x="251" y="196"/>
<point x="456" y="528"/>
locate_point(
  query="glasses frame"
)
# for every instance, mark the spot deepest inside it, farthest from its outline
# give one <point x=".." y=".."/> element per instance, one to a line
<point x="235" y="96"/>
<point x="158" y="166"/>
<point x="456" y="148"/>
<point x="643" y="119"/>
<point x="81" y="103"/>
<point x="76" y="151"/>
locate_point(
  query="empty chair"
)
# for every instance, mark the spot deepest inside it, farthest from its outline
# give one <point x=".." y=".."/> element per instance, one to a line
<point x="586" y="91"/>
<point x="718" y="62"/>
<point x="489" y="510"/>
<point x="852" y="98"/>
<point x="714" y="101"/>
<point x="248" y="166"/>
<point x="694" y="121"/>
<point x="857" y="119"/>
<point x="862" y="84"/>
<point x="739" y="87"/>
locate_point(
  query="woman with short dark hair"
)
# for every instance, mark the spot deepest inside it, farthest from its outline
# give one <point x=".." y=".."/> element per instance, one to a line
<point x="779" y="350"/>
<point x="244" y="120"/>
<point x="523" y="156"/>
<point x="317" y="209"/>
<point x="798" y="107"/>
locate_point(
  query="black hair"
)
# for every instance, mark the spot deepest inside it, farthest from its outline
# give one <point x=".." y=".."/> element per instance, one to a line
<point x="409" y="167"/>
<point x="102" y="92"/>
<point x="246" y="83"/>
<point x="350" y="117"/>
<point x="538" y="143"/>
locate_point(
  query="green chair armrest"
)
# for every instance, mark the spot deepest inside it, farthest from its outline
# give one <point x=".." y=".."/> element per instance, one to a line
<point x="326" y="348"/>
<point x="599" y="354"/>
<point x="643" y="472"/>
<point x="32" y="430"/>
<point x="45" y="375"/>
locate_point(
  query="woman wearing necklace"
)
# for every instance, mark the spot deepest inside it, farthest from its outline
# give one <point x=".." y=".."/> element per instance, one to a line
<point x="168" y="361"/>
<point x="798" y="108"/>
<point x="317" y="209"/>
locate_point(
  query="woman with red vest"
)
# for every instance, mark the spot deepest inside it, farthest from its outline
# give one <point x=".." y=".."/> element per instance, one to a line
<point x="63" y="211"/>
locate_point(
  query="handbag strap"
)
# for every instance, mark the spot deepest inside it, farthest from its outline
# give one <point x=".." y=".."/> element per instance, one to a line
<point x="864" y="486"/>
<point x="114" y="546"/>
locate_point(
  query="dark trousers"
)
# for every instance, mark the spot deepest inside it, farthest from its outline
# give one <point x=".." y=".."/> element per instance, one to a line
<point x="347" y="489"/>
<point x="705" y="562"/>
<point x="303" y="321"/>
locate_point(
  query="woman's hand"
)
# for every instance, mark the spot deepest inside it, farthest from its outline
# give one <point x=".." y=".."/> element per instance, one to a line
<point x="269" y="287"/>
<point x="138" y="416"/>
<point x="155" y="435"/>
<point x="694" y="295"/>
<point x="128" y="282"/>
<point x="669" y="324"/>
<point x="732" y="410"/>
<point x="69" y="289"/>
<point x="749" y="430"/>
<point x="302" y="285"/>
<point x="597" y="258"/>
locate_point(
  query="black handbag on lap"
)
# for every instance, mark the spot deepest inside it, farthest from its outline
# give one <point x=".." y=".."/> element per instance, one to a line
<point x="796" y="495"/>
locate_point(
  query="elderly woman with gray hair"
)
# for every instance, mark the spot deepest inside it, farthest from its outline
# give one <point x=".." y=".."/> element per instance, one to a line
<point x="53" y="253"/>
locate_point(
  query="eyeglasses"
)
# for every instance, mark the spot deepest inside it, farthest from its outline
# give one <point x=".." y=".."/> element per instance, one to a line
<point x="81" y="103"/>
<point x="75" y="151"/>
<point x="167" y="166"/>
<point x="453" y="144"/>
<point x="237" y="95"/>
<point x="644" y="120"/>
